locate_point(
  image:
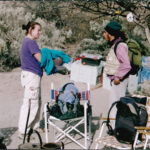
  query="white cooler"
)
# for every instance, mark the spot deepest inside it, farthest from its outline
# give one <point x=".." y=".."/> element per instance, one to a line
<point x="85" y="73"/>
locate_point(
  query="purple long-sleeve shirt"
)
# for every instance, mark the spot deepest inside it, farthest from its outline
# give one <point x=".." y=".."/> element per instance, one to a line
<point x="122" y="55"/>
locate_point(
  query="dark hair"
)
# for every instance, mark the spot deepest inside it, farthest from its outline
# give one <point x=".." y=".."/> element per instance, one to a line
<point x="121" y="34"/>
<point x="30" y="24"/>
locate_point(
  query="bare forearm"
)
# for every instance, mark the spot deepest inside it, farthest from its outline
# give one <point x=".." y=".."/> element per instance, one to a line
<point x="38" y="56"/>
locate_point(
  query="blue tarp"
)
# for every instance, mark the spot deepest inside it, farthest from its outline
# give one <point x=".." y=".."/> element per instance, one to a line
<point x="144" y="72"/>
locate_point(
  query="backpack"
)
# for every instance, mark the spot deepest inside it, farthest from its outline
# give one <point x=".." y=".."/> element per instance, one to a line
<point x="134" y="52"/>
<point x="67" y="103"/>
<point x="68" y="98"/>
<point x="129" y="114"/>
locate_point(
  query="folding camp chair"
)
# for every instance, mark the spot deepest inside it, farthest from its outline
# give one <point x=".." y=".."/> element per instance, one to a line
<point x="110" y="141"/>
<point x="71" y="124"/>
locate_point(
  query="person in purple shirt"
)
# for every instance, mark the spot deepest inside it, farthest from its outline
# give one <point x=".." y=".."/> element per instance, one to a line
<point x="30" y="78"/>
<point x="117" y="65"/>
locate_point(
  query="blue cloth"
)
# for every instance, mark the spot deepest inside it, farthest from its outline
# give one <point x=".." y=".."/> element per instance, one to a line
<point x="47" y="59"/>
<point x="144" y="72"/>
<point x="67" y="96"/>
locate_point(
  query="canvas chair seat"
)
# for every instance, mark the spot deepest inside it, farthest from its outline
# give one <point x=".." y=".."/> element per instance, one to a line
<point x="70" y="127"/>
<point x="112" y="142"/>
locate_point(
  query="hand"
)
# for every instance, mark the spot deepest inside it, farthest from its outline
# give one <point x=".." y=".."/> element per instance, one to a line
<point x="116" y="81"/>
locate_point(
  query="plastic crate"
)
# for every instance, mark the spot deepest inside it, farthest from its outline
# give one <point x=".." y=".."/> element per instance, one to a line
<point x="90" y="59"/>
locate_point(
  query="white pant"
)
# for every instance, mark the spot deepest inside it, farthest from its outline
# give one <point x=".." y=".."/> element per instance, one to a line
<point x="32" y="92"/>
<point x="117" y="91"/>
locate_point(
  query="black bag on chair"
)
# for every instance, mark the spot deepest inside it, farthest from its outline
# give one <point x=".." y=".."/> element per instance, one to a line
<point x="129" y="114"/>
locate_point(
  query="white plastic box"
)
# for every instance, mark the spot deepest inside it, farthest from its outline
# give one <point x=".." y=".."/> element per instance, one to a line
<point x="85" y="73"/>
<point x="132" y="83"/>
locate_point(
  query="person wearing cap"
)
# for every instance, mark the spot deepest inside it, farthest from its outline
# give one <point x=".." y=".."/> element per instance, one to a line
<point x="117" y="63"/>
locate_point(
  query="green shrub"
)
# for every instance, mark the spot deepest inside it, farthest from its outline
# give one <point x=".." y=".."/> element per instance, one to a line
<point x="8" y="61"/>
<point x="62" y="28"/>
<point x="97" y="44"/>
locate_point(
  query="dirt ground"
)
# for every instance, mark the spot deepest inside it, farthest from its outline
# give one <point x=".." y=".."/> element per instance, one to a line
<point x="11" y="94"/>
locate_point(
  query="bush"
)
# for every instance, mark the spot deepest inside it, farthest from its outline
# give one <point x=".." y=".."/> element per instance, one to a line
<point x="8" y="61"/>
<point x="11" y="33"/>
<point x="62" y="28"/>
<point x="97" y="44"/>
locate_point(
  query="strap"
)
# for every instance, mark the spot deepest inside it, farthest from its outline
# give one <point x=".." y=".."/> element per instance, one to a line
<point x="116" y="44"/>
<point x="110" y="130"/>
<point x="108" y="120"/>
<point x="63" y="88"/>
<point x="27" y="121"/>
<point x="31" y="131"/>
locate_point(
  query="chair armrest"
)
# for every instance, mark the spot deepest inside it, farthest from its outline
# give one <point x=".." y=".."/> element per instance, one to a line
<point x="109" y="119"/>
<point x="143" y="132"/>
<point x="142" y="128"/>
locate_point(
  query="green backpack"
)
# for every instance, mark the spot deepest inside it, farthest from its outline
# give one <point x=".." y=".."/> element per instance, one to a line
<point x="134" y="52"/>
